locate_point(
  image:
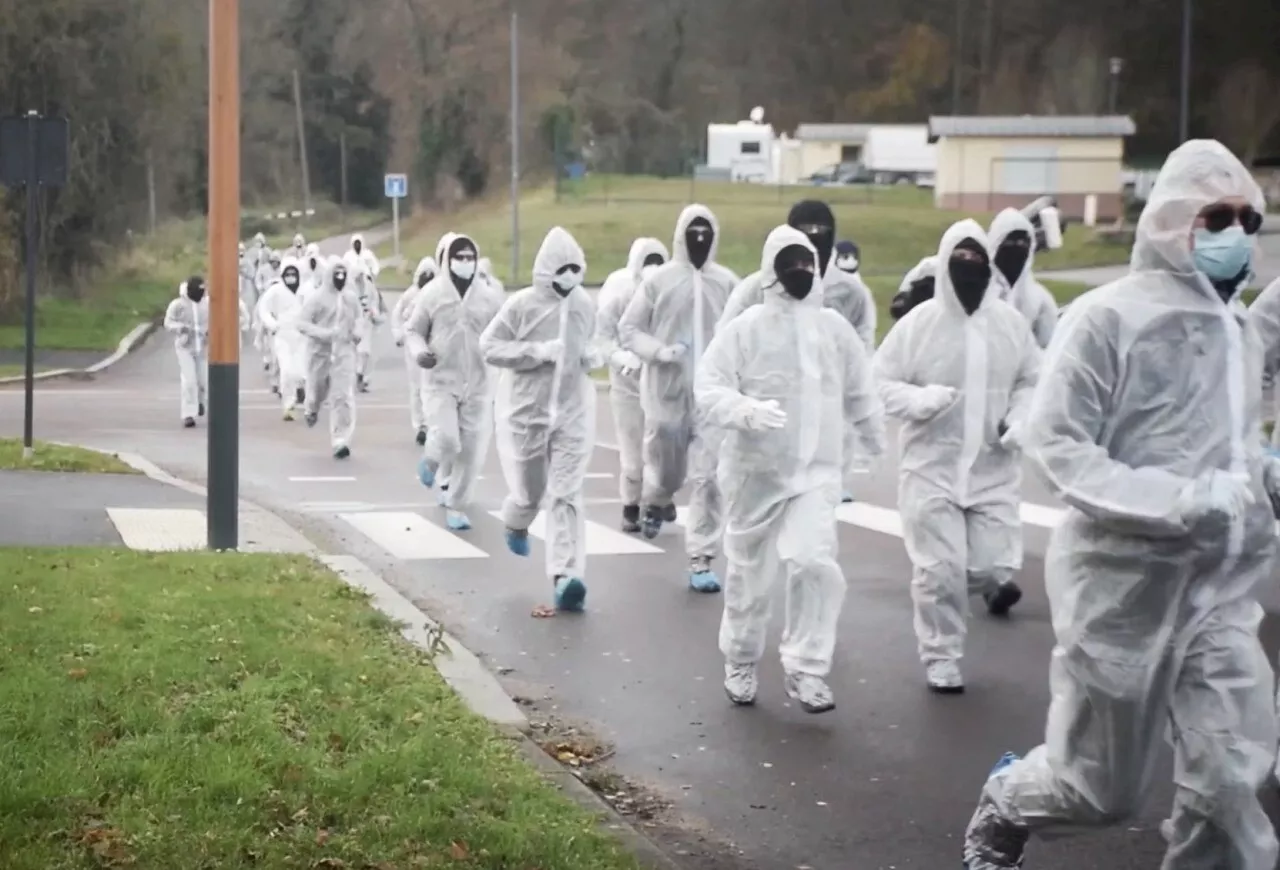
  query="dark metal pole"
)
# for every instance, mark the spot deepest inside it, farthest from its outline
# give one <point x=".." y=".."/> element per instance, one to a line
<point x="29" y="403"/>
<point x="515" y="145"/>
<point x="223" y="501"/>
<point x="1184" y="117"/>
<point x="957" y="60"/>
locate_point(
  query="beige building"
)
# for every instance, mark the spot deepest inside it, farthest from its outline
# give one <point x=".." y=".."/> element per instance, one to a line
<point x="989" y="163"/>
<point x="825" y="145"/>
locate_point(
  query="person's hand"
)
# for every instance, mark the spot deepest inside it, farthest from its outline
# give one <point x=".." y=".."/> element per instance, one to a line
<point x="932" y="400"/>
<point x="426" y="359"/>
<point x="550" y="351"/>
<point x="626" y="362"/>
<point x="593" y="359"/>
<point x="1218" y="493"/>
<point x="670" y="353"/>
<point x="766" y="415"/>
<point x="1010" y="437"/>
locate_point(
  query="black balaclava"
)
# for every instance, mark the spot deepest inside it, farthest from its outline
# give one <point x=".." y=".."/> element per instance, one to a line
<point x="339" y="277"/>
<point x="653" y="260"/>
<point x="567" y="278"/>
<point x="195" y="288"/>
<point x="357" y="246"/>
<point x="815" y="220"/>
<point x="698" y="238"/>
<point x="794" y="267"/>
<point x="846" y="250"/>
<point x="290" y="278"/>
<point x="970" y="277"/>
<point x="1013" y="254"/>
<point x="424" y="278"/>
<point x="315" y="264"/>
<point x="456" y="247"/>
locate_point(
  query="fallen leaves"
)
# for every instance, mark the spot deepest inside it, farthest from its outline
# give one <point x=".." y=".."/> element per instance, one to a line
<point x="458" y="851"/>
<point x="110" y="846"/>
<point x="77" y="674"/>
<point x="543" y="611"/>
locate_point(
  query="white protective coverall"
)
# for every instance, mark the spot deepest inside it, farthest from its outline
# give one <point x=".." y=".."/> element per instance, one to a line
<point x="268" y="272"/>
<point x="624" y="367"/>
<point x="329" y="320"/>
<point x="1146" y="423"/>
<point x="313" y="267"/>
<point x="1264" y="313"/>
<point x="545" y="406"/>
<point x="485" y="268"/>
<point x="189" y="323"/>
<point x="361" y="269"/>
<point x="444" y="332"/>
<point x="782" y="486"/>
<point x="248" y="268"/>
<point x="400" y="315"/>
<point x="278" y="310"/>
<point x="1028" y="295"/>
<point x="668" y="324"/>
<point x="846" y="294"/>
<point x="955" y="380"/>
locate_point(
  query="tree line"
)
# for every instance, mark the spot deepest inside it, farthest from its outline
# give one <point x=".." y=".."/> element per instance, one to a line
<point x="422" y="86"/>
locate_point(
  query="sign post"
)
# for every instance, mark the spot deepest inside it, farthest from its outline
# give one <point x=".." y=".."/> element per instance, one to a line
<point x="396" y="188"/>
<point x="33" y="153"/>
<point x="223" y="500"/>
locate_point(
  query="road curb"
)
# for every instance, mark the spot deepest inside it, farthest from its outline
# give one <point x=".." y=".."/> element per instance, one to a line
<point x="127" y="345"/>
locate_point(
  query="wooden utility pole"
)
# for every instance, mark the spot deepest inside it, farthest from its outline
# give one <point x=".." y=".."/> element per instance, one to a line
<point x="302" y="143"/>
<point x="222" y="508"/>
<point x="151" y="193"/>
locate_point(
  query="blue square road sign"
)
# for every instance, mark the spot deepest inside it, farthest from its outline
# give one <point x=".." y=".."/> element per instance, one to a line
<point x="396" y="186"/>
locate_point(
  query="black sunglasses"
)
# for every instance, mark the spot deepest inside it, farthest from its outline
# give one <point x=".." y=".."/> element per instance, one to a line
<point x="1219" y="217"/>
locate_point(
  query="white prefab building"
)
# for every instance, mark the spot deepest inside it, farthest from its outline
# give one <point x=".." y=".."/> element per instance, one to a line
<point x="746" y="150"/>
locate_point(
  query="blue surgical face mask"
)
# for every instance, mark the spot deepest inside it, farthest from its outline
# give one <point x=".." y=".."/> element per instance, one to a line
<point x="1222" y="256"/>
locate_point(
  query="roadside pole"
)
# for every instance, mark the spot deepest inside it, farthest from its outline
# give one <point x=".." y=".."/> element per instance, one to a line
<point x="33" y="153"/>
<point x="222" y="505"/>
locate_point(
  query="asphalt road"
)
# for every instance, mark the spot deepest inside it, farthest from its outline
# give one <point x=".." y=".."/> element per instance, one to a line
<point x="887" y="780"/>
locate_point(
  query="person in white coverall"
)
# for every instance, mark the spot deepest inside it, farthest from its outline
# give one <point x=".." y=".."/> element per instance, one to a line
<point x="1146" y="423"/>
<point x="268" y="273"/>
<point x="313" y="265"/>
<point x="486" y="272"/>
<point x="1013" y="246"/>
<point x="279" y="310"/>
<point x="443" y="334"/>
<point x="247" y="268"/>
<point x="668" y="324"/>
<point x="958" y="371"/>
<point x="400" y="314"/>
<point x="917" y="286"/>
<point x="546" y="409"/>
<point x="187" y="317"/>
<point x="330" y="322"/>
<point x="362" y="280"/>
<point x="784" y="381"/>
<point x="624" y="371"/>
<point x="299" y="250"/>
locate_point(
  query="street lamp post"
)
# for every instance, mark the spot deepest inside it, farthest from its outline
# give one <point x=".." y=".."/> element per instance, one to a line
<point x="1113" y="96"/>
<point x="1184" y="115"/>
<point x="515" y="145"/>
<point x="222" y="507"/>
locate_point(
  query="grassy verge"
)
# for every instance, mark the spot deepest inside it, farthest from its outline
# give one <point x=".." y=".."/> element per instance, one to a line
<point x="230" y="710"/>
<point x="55" y="457"/>
<point x="139" y="281"/>
<point x="895" y="227"/>
<point x="19" y="369"/>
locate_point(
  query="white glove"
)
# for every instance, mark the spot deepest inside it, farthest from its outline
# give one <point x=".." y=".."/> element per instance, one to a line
<point x="932" y="400"/>
<point x="762" y="416"/>
<point x="426" y="359"/>
<point x="670" y="353"/>
<point x="549" y="351"/>
<point x="593" y="359"/>
<point x="626" y="362"/>
<point x="1011" y="439"/>
<point x="1218" y="492"/>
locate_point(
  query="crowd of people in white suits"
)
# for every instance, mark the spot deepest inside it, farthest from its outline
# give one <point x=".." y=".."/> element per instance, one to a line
<point x="762" y="398"/>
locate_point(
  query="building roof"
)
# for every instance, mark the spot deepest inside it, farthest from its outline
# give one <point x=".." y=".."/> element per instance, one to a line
<point x="1049" y="126"/>
<point x="833" y="132"/>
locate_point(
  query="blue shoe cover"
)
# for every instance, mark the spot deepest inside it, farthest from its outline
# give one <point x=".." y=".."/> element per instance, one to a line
<point x="426" y="474"/>
<point x="457" y="521"/>
<point x="1005" y="760"/>
<point x="650" y="526"/>
<point x="571" y="594"/>
<point x="846" y="498"/>
<point x="518" y="542"/>
<point x="704" y="581"/>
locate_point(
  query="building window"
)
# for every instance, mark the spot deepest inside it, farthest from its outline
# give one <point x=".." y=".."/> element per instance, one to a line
<point x="750" y="148"/>
<point x="850" y="153"/>
<point x="1030" y="170"/>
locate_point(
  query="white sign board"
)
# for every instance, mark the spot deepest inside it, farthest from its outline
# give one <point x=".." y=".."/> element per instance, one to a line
<point x="396" y="186"/>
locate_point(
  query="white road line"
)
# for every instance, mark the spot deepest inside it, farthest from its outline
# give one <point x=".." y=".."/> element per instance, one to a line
<point x="1042" y="516"/>
<point x="321" y="479"/>
<point x="410" y="536"/>
<point x="601" y="540"/>
<point x="868" y="516"/>
<point x="160" y="529"/>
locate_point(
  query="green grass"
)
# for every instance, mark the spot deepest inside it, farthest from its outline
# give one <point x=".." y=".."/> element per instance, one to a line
<point x="139" y="282"/>
<point x="895" y="227"/>
<point x="16" y="370"/>
<point x="56" y="457"/>
<point x="234" y="711"/>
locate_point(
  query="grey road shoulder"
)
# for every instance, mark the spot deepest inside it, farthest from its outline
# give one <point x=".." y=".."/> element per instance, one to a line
<point x="461" y="669"/>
